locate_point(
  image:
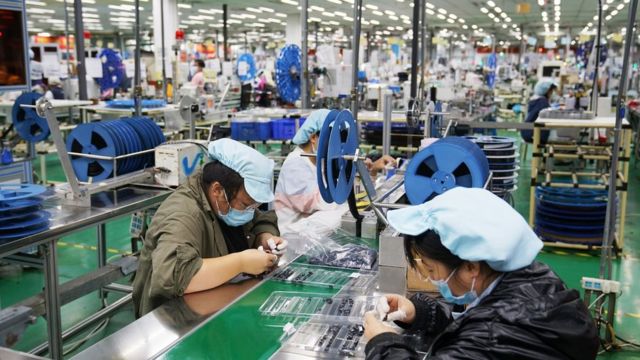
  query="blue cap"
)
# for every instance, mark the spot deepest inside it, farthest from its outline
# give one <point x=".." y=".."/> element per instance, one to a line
<point x="543" y="86"/>
<point x="311" y="125"/>
<point x="255" y="168"/>
<point x="475" y="225"/>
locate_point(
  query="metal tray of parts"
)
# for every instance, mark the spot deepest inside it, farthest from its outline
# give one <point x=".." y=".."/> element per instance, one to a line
<point x="323" y="307"/>
<point x="327" y="341"/>
<point x="334" y="278"/>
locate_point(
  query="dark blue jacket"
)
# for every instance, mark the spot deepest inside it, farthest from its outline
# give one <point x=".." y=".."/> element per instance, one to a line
<point x="534" y="108"/>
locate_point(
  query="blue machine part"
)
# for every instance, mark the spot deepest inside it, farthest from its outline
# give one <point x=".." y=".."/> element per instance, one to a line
<point x="246" y="67"/>
<point x="111" y="139"/>
<point x="129" y="104"/>
<point x="113" y="71"/>
<point x="343" y="140"/>
<point x="29" y="125"/>
<point x="12" y="192"/>
<point x="443" y="165"/>
<point x="322" y="156"/>
<point x="14" y="235"/>
<point x="436" y="121"/>
<point x="288" y="73"/>
<point x="18" y="207"/>
<point x="35" y="219"/>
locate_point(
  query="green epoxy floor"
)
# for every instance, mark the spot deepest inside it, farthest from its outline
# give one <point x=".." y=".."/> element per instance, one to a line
<point x="77" y="256"/>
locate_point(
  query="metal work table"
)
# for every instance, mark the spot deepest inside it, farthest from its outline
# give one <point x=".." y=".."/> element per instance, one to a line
<point x="67" y="219"/>
<point x="104" y="110"/>
<point x="218" y="322"/>
<point x="8" y="354"/>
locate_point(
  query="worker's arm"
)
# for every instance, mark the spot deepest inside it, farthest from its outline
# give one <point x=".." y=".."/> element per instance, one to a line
<point x="217" y="271"/>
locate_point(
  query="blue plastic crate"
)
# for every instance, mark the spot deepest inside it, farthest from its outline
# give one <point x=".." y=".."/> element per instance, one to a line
<point x="250" y="130"/>
<point x="284" y="129"/>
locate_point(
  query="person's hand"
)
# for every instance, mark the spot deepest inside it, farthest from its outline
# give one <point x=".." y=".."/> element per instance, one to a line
<point x="374" y="327"/>
<point x="380" y="164"/>
<point x="397" y="308"/>
<point x="272" y="244"/>
<point x="256" y="262"/>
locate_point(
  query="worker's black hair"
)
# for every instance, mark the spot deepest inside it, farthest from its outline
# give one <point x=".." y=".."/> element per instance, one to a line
<point x="428" y="244"/>
<point x="551" y="88"/>
<point x="229" y="179"/>
<point x="199" y="62"/>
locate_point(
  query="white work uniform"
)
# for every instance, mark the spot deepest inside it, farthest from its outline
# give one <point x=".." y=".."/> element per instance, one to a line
<point x="298" y="203"/>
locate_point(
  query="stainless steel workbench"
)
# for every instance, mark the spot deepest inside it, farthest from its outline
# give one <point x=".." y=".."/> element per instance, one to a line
<point x="67" y="219"/>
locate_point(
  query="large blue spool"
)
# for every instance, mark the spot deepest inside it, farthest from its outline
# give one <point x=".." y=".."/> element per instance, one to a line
<point x="113" y="71"/>
<point x="29" y="125"/>
<point x="246" y="60"/>
<point x="21" y="211"/>
<point x="288" y="73"/>
<point x="443" y="165"/>
<point x="111" y="139"/>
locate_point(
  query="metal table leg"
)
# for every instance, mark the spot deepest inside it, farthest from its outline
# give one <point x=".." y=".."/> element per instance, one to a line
<point x="102" y="252"/>
<point x="52" y="299"/>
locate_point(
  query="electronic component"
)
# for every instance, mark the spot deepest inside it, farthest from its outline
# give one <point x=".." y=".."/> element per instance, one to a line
<point x="334" y="278"/>
<point x="176" y="162"/>
<point x="325" y="307"/>
<point x="601" y="285"/>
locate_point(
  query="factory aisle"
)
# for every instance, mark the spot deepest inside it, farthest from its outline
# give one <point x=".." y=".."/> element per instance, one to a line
<point x="77" y="255"/>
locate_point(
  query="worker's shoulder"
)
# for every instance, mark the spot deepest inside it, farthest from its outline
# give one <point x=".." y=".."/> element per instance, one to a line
<point x="180" y="203"/>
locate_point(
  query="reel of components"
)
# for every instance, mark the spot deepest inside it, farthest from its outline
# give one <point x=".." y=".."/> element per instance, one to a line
<point x="570" y="215"/>
<point x="246" y="67"/>
<point x="336" y="174"/>
<point x="502" y="154"/>
<point x="111" y="139"/>
<point x="288" y="73"/>
<point x="29" y="125"/>
<point x="443" y="165"/>
<point x="113" y="71"/>
<point x="129" y="104"/>
<point x="21" y="211"/>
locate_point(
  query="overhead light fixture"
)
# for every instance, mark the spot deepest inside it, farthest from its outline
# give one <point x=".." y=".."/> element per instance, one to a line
<point x="491" y="3"/>
<point x="372" y="7"/>
<point x="442" y="11"/>
<point x="254" y="10"/>
<point x="430" y="12"/>
<point x="340" y="13"/>
<point x="376" y="12"/>
<point x="484" y="10"/>
<point x="441" y="17"/>
<point x="289" y="2"/>
<point x="465" y="27"/>
<point x="620" y="7"/>
<point x="498" y="10"/>
<point x="184" y="6"/>
<point x="453" y="16"/>
<point x="389" y="12"/>
<point x="36" y="3"/>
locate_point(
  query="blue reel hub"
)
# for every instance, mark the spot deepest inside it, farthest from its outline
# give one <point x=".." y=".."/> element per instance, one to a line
<point x="321" y="156"/>
<point x="246" y="67"/>
<point x="288" y="73"/>
<point x="443" y="165"/>
<point x="29" y="125"/>
<point x="343" y="140"/>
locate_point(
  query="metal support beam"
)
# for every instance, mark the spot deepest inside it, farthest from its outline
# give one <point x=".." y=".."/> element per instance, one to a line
<point x="304" y="82"/>
<point x="101" y="235"/>
<point x="164" y="52"/>
<point x="225" y="15"/>
<point x="423" y="48"/>
<point x="415" y="49"/>
<point x="610" y="222"/>
<point x="386" y="125"/>
<point x="52" y="299"/>
<point x="594" y="91"/>
<point x="80" y="65"/>
<point x="137" y="89"/>
<point x="357" y="24"/>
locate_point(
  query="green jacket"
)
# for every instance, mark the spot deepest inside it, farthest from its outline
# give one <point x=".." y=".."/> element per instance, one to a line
<point x="183" y="231"/>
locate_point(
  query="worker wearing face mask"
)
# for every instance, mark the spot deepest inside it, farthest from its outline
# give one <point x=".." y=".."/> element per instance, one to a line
<point x="210" y="230"/>
<point x="480" y="253"/>
<point x="543" y="96"/>
<point x="197" y="74"/>
<point x="298" y="202"/>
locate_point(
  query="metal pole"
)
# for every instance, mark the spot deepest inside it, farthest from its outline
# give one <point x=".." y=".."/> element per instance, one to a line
<point x="164" y="61"/>
<point x="82" y="70"/>
<point x="596" y="42"/>
<point x="101" y="234"/>
<point x="610" y="224"/>
<point x="52" y="297"/>
<point x="423" y="47"/>
<point x="137" y="90"/>
<point x="304" y="83"/>
<point x="316" y="27"/>
<point x="523" y="48"/>
<point x="355" y="94"/>
<point x="414" y="49"/>
<point x="217" y="45"/>
<point x="386" y="126"/>
<point x="66" y="35"/>
<point x="224" y="31"/>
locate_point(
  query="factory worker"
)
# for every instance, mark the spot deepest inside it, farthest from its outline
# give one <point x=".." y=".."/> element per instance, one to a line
<point x="197" y="74"/>
<point x="542" y="96"/>
<point x="298" y="202"/>
<point x="480" y="253"/>
<point x="210" y="230"/>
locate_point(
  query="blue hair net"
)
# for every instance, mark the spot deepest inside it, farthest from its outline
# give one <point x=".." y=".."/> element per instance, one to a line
<point x="475" y="225"/>
<point x="543" y="86"/>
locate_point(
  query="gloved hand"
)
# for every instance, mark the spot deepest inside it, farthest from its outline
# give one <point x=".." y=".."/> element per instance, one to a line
<point x="392" y="307"/>
<point x="256" y="262"/>
<point x="272" y="244"/>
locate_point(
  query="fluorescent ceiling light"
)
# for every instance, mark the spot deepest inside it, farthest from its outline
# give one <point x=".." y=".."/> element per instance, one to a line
<point x="254" y="10"/>
<point x="372" y="7"/>
<point x="263" y="8"/>
<point x="491" y="3"/>
<point x="442" y="11"/>
<point x="184" y="6"/>
<point x="317" y="8"/>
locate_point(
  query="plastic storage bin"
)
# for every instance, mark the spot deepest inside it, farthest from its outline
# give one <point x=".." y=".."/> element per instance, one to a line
<point x="285" y="129"/>
<point x="250" y="129"/>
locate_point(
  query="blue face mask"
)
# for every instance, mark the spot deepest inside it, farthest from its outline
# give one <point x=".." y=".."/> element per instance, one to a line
<point x="235" y="217"/>
<point x="445" y="291"/>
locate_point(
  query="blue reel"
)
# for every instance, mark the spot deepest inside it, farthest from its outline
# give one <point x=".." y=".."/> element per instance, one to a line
<point x="29" y="125"/>
<point x="111" y="139"/>
<point x="335" y="174"/>
<point x="443" y="165"/>
<point x="247" y="62"/>
<point x="288" y="73"/>
<point x="20" y="211"/>
<point x="113" y="71"/>
<point x="12" y="192"/>
<point x="129" y="104"/>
